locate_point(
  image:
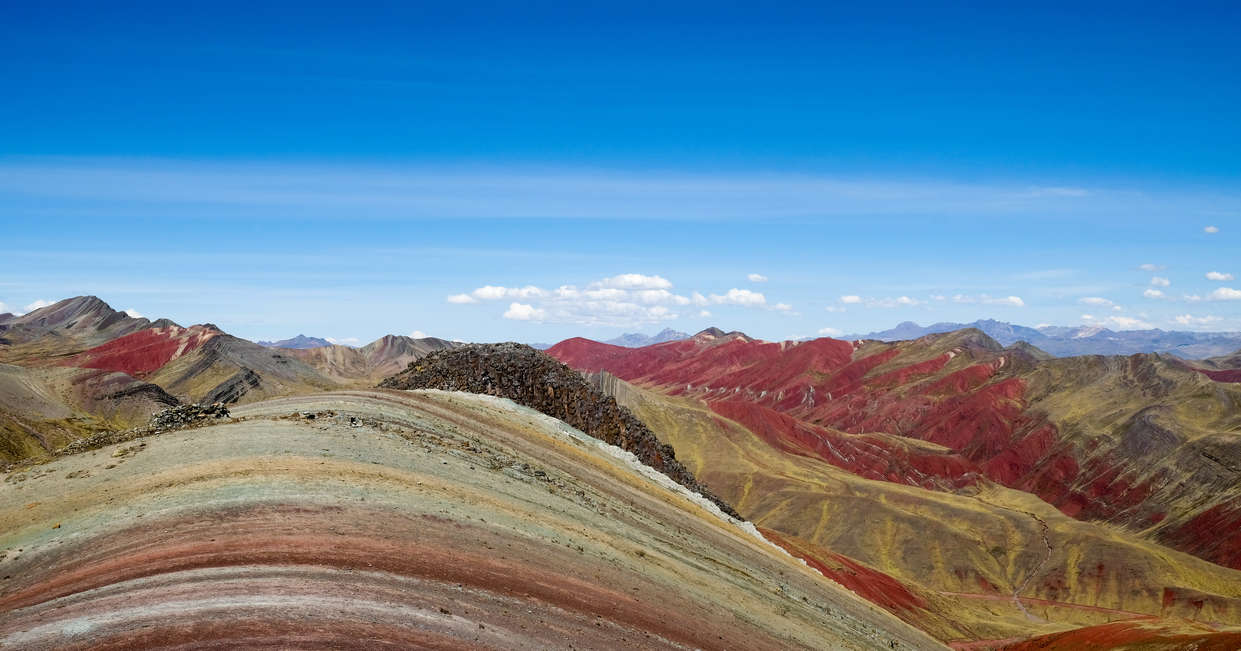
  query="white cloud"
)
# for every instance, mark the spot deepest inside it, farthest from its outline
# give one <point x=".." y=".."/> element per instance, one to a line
<point x="1095" y="300"/>
<point x="1225" y="294"/>
<point x="1211" y="229"/>
<point x="418" y="334"/>
<point x="625" y="300"/>
<point x="635" y="281"/>
<point x="704" y="313"/>
<point x="986" y="299"/>
<point x="736" y="296"/>
<point x="907" y="301"/>
<point x="836" y="308"/>
<point x="524" y="312"/>
<point x="830" y="332"/>
<point x="655" y="296"/>
<point x="1217" y="275"/>
<point x="134" y="313"/>
<point x="493" y="292"/>
<point x="1153" y="293"/>
<point x="899" y="301"/>
<point x="343" y="341"/>
<point x="40" y="303"/>
<point x="1151" y="267"/>
<point x="605" y="294"/>
<point x="1160" y="281"/>
<point x="757" y="278"/>
<point x="1129" y="323"/>
<point x="1191" y="298"/>
<point x="1191" y="320"/>
<point x="1120" y="322"/>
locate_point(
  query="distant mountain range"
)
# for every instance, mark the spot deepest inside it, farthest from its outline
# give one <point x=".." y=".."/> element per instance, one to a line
<point x="1082" y="340"/>
<point x="300" y="342"/>
<point x="638" y="340"/>
<point x="78" y="367"/>
<point x="633" y="339"/>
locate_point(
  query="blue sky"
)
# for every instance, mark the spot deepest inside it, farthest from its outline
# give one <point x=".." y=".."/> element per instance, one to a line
<point x="499" y="172"/>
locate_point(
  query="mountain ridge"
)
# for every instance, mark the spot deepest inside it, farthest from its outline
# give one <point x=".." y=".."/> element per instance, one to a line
<point x="1064" y="341"/>
<point x="299" y="342"/>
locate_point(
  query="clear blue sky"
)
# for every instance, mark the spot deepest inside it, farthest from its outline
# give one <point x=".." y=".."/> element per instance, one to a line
<point x="349" y="173"/>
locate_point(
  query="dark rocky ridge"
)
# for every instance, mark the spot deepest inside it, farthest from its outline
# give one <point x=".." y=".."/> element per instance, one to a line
<point x="531" y="378"/>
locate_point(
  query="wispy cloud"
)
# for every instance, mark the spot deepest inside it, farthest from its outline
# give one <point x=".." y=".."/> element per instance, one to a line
<point x="1119" y="322"/>
<point x="1218" y="275"/>
<point x="986" y="299"/>
<point x="265" y="190"/>
<point x="1099" y="301"/>
<point x="40" y="303"/>
<point x="757" y="278"/>
<point x="1210" y="229"/>
<point x="1191" y="320"/>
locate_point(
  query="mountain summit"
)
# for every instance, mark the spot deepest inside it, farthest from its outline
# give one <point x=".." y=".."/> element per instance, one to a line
<point x="300" y="342"/>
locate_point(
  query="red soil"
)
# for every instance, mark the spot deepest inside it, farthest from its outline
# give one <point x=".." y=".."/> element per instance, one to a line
<point x="347" y="550"/>
<point x="1226" y="375"/>
<point x="868" y="583"/>
<point x="143" y="352"/>
<point x="872" y="457"/>
<point x="800" y="397"/>
<point x="1214" y="534"/>
<point x="1143" y="633"/>
<point x="824" y="399"/>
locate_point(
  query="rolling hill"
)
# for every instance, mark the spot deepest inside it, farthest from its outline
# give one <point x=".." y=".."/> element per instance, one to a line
<point x="1016" y="487"/>
<point x="419" y="519"/>
<point x="94" y="369"/>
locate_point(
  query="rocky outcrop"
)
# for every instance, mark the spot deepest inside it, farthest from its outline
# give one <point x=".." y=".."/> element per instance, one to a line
<point x="183" y="415"/>
<point x="232" y="389"/>
<point x="531" y="378"/>
<point x="145" y="390"/>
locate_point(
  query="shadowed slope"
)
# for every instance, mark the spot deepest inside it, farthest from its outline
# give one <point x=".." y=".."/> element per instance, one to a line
<point x="230" y="370"/>
<point x="397" y="519"/>
<point x="531" y="378"/>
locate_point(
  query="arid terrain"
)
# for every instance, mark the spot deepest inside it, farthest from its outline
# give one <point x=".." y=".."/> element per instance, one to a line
<point x="168" y="484"/>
